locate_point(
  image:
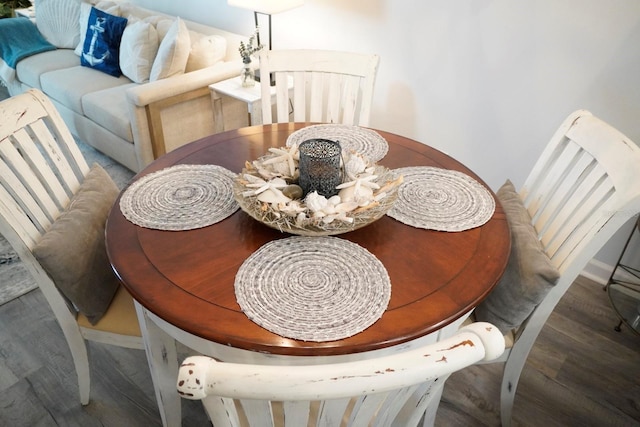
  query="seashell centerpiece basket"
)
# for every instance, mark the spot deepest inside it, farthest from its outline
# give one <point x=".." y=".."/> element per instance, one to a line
<point x="315" y="189"/>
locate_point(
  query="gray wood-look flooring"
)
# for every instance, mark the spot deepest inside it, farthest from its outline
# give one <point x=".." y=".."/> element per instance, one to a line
<point x="580" y="373"/>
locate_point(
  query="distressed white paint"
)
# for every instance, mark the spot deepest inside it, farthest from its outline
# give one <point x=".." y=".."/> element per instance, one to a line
<point x="391" y="390"/>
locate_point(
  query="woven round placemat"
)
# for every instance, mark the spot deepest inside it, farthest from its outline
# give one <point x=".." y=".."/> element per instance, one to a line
<point x="313" y="288"/>
<point x="441" y="199"/>
<point x="366" y="142"/>
<point x="181" y="197"/>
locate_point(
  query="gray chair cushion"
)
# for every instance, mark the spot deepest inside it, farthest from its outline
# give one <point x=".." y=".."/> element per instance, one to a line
<point x="529" y="274"/>
<point x="73" y="250"/>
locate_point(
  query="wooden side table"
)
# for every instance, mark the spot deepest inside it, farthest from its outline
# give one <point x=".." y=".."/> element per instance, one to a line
<point x="623" y="289"/>
<point x="232" y="88"/>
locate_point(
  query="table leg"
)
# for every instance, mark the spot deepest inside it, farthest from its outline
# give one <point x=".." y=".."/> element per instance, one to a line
<point x="255" y="112"/>
<point x="218" y="117"/>
<point x="162" y="358"/>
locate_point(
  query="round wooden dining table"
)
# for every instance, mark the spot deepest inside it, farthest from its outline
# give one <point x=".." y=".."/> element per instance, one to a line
<point x="184" y="280"/>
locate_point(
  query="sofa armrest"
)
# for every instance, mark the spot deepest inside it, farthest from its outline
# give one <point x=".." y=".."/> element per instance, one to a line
<point x="148" y="93"/>
<point x="161" y="111"/>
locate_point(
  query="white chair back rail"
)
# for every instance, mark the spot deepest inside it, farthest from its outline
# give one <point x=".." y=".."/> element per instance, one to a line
<point x="390" y="390"/>
<point x="41" y="168"/>
<point x="328" y="86"/>
<point x="584" y="187"/>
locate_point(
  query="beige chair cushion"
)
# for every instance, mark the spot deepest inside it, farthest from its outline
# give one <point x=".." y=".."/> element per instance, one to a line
<point x="73" y="250"/>
<point x="529" y="274"/>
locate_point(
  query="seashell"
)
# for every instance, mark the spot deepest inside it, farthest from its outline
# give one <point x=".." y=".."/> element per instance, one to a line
<point x="354" y="166"/>
<point x="273" y="196"/>
<point x="346" y="206"/>
<point x="315" y="202"/>
<point x="59" y="22"/>
<point x="292" y="191"/>
<point x="358" y="194"/>
<point x="293" y="208"/>
<point x="334" y="200"/>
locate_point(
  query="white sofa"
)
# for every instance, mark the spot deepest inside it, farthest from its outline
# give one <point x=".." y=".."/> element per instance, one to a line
<point x="132" y="123"/>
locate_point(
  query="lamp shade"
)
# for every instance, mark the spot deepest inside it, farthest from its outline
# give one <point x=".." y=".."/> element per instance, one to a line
<point x="268" y="7"/>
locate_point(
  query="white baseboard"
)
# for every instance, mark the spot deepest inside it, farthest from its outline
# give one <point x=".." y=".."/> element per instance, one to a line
<point x="597" y="271"/>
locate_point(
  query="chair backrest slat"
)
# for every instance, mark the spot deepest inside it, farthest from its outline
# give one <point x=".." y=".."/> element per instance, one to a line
<point x="571" y="193"/>
<point x="393" y="389"/>
<point x="584" y="187"/>
<point x="322" y="86"/>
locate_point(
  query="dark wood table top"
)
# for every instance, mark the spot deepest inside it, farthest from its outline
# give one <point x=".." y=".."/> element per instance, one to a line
<point x="187" y="277"/>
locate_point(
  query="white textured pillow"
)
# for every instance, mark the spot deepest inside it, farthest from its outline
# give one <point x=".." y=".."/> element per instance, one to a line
<point x="163" y="25"/>
<point x="138" y="50"/>
<point x="173" y="52"/>
<point x="85" y="10"/>
<point x="58" y="22"/>
<point x="205" y="50"/>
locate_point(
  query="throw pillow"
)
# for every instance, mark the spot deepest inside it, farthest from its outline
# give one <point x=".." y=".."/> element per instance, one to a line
<point x="85" y="11"/>
<point x="205" y="51"/>
<point x="73" y="250"/>
<point x="138" y="50"/>
<point x="102" y="43"/>
<point x="163" y="25"/>
<point x="58" y="21"/>
<point x="529" y="274"/>
<point x="173" y="52"/>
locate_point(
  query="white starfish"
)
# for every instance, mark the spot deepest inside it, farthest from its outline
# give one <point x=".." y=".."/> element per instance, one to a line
<point x="364" y="180"/>
<point x="286" y="154"/>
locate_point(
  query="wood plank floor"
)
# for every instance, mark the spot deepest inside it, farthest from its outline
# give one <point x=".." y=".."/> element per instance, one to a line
<point x="580" y="373"/>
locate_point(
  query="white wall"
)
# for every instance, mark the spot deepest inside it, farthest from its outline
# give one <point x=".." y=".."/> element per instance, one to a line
<point x="486" y="81"/>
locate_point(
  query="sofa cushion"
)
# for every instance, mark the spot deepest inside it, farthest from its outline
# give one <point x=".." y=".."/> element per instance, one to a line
<point x="205" y="50"/>
<point x="529" y="274"/>
<point x="58" y="21"/>
<point x="73" y="251"/>
<point x="173" y="52"/>
<point x="83" y="19"/>
<point x="29" y="70"/>
<point x="109" y="109"/>
<point x="68" y="86"/>
<point x="138" y="50"/>
<point x="101" y="49"/>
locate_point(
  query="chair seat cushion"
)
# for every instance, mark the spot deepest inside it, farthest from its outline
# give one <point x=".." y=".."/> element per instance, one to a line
<point x="73" y="252"/>
<point x="529" y="274"/>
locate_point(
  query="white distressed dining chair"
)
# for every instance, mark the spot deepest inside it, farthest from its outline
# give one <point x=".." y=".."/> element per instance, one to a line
<point x="50" y="200"/>
<point x="390" y="390"/>
<point x="320" y="85"/>
<point x="584" y="187"/>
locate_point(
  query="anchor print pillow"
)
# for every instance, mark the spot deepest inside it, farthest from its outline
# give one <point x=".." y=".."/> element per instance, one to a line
<point x="101" y="49"/>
